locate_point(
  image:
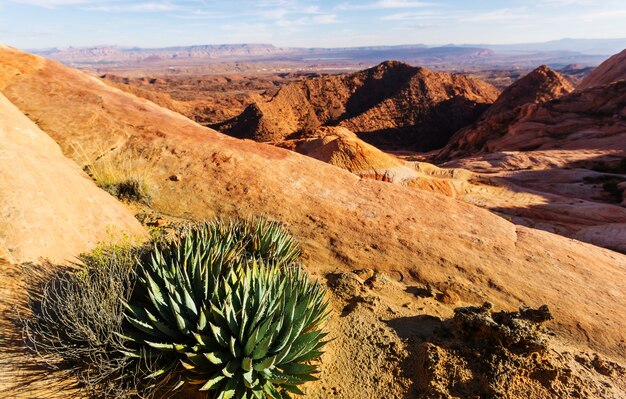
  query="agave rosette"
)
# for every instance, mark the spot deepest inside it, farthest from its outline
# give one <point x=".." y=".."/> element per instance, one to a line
<point x="222" y="317"/>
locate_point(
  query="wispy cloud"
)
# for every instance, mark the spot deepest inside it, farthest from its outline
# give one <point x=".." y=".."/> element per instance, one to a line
<point x="602" y="15"/>
<point x="54" y="3"/>
<point x="505" y="14"/>
<point x="136" y="7"/>
<point x="383" y="5"/>
<point x="322" y="19"/>
<point x="293" y="14"/>
<point x="408" y="16"/>
<point x="425" y="26"/>
<point x="203" y="14"/>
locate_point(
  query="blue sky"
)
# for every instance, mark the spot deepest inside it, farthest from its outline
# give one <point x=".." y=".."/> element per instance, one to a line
<point x="30" y="24"/>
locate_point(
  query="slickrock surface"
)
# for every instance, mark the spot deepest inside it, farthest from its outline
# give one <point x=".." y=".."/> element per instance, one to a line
<point x="611" y="70"/>
<point x="49" y="208"/>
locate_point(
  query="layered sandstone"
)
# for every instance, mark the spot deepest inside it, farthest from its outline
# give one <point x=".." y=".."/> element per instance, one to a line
<point x="392" y="105"/>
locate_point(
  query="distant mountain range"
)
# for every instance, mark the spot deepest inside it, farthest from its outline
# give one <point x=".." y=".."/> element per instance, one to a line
<point x="555" y="53"/>
<point x="584" y="46"/>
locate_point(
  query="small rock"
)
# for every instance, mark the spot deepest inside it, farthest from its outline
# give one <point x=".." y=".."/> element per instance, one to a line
<point x="448" y="297"/>
<point x="158" y="222"/>
<point x="175" y="177"/>
<point x="364" y="274"/>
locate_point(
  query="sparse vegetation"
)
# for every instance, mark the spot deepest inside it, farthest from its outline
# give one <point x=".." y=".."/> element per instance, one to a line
<point x="126" y="175"/>
<point x="222" y="305"/>
<point x="77" y="322"/>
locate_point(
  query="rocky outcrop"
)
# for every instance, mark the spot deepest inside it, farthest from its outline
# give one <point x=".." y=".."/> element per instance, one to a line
<point x="611" y="70"/>
<point x="392" y="105"/>
<point x="342" y="148"/>
<point x="541" y="85"/>
<point x="593" y="118"/>
<point x="482" y="353"/>
<point x="49" y="208"/>
<point x="564" y="160"/>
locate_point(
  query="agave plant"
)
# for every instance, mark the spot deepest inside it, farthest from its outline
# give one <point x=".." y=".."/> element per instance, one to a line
<point x="252" y="238"/>
<point x="218" y="314"/>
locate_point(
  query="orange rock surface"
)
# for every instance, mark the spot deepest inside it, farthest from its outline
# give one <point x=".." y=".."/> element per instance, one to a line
<point x="49" y="208"/>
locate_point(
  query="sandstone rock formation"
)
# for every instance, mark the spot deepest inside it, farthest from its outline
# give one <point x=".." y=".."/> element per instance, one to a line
<point x="563" y="158"/>
<point x="392" y="105"/>
<point x="590" y="118"/>
<point x="593" y="118"/>
<point x="611" y="70"/>
<point x="541" y="85"/>
<point x="343" y="222"/>
<point x="582" y="205"/>
<point x="342" y="148"/>
<point x="49" y="208"/>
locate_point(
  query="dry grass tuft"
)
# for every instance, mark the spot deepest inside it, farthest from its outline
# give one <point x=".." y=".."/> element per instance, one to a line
<point x="126" y="175"/>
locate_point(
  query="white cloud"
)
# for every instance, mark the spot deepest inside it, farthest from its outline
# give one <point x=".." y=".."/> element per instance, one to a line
<point x="505" y="14"/>
<point x="601" y="15"/>
<point x="54" y="3"/>
<point x="203" y="14"/>
<point x="384" y="5"/>
<point x="323" y="19"/>
<point x="136" y="7"/>
<point x="292" y="14"/>
<point x="407" y="16"/>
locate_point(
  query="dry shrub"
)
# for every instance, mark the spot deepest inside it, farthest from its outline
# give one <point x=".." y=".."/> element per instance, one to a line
<point x="126" y="175"/>
<point x="77" y="320"/>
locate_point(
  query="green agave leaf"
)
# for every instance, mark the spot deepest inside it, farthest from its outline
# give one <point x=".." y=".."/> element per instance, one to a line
<point x="282" y="378"/>
<point x="220" y="335"/>
<point x="213" y="383"/>
<point x="292" y="389"/>
<point x="247" y="349"/>
<point x="262" y="348"/>
<point x="304" y="341"/>
<point x="218" y="358"/>
<point x="231" y="368"/>
<point x="166" y="346"/>
<point x="270" y="390"/>
<point x="265" y="364"/>
<point x="144" y="326"/>
<point x="183" y="325"/>
<point x="198" y="359"/>
<point x="234" y="347"/>
<point x="161" y="326"/>
<point x="297" y="368"/>
<point x="307" y="356"/>
<point x="229" y="390"/>
<point x="202" y="319"/>
<point x="246" y="364"/>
